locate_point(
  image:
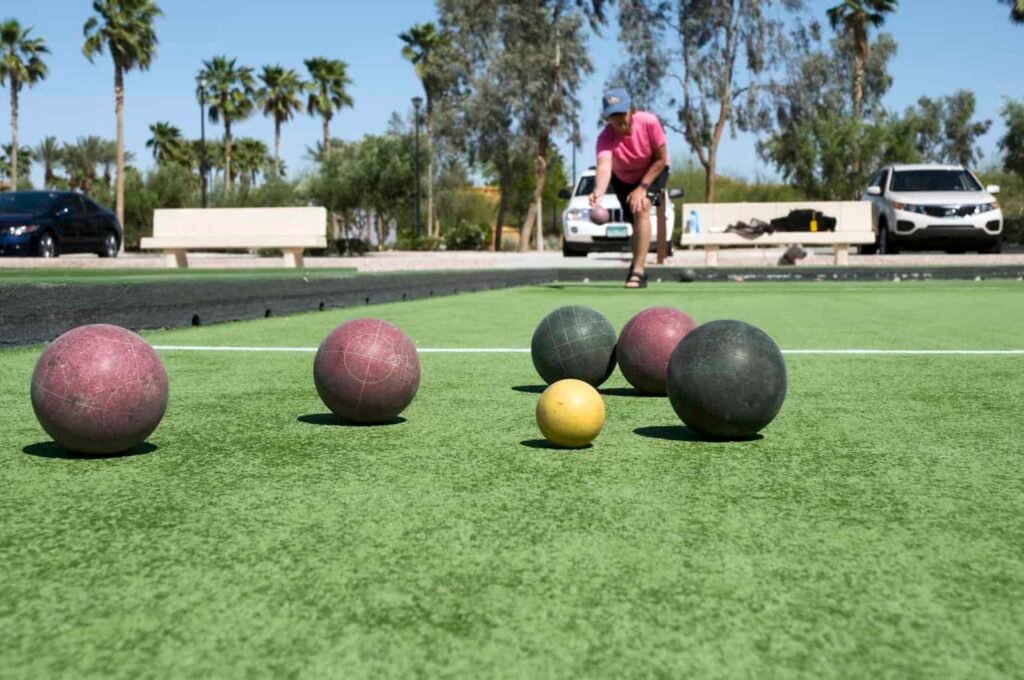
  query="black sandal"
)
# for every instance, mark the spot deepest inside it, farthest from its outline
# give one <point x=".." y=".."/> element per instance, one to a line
<point x="640" y="279"/>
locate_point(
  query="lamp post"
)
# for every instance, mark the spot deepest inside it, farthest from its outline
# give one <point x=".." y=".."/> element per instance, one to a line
<point x="417" y="102"/>
<point x="201" y="82"/>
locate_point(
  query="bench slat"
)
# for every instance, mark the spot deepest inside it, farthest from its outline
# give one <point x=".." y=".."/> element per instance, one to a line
<point x="778" y="238"/>
<point x="227" y="243"/>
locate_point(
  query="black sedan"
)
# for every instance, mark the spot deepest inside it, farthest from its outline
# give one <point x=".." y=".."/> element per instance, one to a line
<point x="50" y="223"/>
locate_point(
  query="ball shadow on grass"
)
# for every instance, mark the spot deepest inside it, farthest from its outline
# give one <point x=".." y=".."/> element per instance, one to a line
<point x="55" y="450"/>
<point x="628" y="392"/>
<point x="685" y="433"/>
<point x="545" y="444"/>
<point x="531" y="389"/>
<point x="331" y="420"/>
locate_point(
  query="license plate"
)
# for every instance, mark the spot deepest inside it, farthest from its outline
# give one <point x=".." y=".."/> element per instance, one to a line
<point x="617" y="232"/>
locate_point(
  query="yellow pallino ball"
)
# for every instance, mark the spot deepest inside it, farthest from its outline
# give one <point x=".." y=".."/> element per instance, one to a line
<point x="570" y="413"/>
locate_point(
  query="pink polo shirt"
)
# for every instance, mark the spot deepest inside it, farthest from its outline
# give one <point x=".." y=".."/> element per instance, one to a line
<point x="632" y="155"/>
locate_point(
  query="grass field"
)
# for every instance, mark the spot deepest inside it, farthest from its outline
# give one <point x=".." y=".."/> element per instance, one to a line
<point x="875" y="530"/>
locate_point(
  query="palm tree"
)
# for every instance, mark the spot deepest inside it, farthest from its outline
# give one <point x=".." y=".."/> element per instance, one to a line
<point x="108" y="157"/>
<point x="81" y="159"/>
<point x="1016" y="10"/>
<point x="9" y="153"/>
<point x="125" y="28"/>
<point x="854" y="18"/>
<point x="49" y="153"/>
<point x="230" y="90"/>
<point x="252" y="158"/>
<point x="21" y="63"/>
<point x="327" y="93"/>
<point x="281" y="99"/>
<point x="422" y="45"/>
<point x="166" y="142"/>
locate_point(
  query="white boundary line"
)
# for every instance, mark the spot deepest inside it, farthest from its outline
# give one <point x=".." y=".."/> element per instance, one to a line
<point x="514" y="350"/>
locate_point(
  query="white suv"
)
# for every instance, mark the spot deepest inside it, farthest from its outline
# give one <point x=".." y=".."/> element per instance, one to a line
<point x="581" y="236"/>
<point x="933" y="206"/>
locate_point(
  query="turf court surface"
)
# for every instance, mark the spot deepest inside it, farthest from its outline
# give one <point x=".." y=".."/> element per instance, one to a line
<point x="877" y="528"/>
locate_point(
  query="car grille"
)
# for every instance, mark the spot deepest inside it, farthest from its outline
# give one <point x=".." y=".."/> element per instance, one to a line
<point x="616" y="215"/>
<point x="950" y="210"/>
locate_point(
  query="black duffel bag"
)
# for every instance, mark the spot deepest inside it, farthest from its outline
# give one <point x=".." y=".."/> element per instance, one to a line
<point x="800" y="220"/>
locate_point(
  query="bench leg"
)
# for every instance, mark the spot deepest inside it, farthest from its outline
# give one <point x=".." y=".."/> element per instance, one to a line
<point x="176" y="259"/>
<point x="293" y="258"/>
<point x="842" y="254"/>
<point x="711" y="256"/>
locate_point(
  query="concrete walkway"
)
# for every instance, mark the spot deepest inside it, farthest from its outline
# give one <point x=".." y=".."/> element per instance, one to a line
<point x="392" y="261"/>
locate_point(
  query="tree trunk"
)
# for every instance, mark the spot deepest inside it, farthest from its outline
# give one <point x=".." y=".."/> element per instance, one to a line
<point x="227" y="156"/>
<point x="430" y="173"/>
<point x="533" y="214"/>
<point x="15" y="86"/>
<point x="858" y="86"/>
<point x="327" y="137"/>
<point x="709" y="180"/>
<point x="119" y="106"/>
<point x="277" y="148"/>
<point x="503" y="182"/>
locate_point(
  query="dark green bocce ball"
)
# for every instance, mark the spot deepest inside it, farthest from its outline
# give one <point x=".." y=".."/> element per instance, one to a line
<point x="727" y="379"/>
<point x="574" y="342"/>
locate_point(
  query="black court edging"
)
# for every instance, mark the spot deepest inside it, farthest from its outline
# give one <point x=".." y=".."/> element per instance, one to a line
<point x="32" y="313"/>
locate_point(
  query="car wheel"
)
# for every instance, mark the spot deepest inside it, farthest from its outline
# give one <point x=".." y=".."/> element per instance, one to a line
<point x="110" y="245"/>
<point x="885" y="244"/>
<point x="992" y="248"/>
<point x="47" y="246"/>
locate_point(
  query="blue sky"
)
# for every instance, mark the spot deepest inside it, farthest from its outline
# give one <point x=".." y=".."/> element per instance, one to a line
<point x="944" y="45"/>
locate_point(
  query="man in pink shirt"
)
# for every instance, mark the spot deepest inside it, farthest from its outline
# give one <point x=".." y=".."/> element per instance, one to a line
<point x="632" y="158"/>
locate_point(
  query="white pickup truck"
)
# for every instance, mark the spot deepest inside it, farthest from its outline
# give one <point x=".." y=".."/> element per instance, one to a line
<point x="581" y="236"/>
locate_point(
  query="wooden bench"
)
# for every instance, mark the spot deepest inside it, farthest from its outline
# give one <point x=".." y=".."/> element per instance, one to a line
<point x="291" y="230"/>
<point x="853" y="226"/>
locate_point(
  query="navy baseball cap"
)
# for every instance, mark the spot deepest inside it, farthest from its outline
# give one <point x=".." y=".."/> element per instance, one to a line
<point x="615" y="101"/>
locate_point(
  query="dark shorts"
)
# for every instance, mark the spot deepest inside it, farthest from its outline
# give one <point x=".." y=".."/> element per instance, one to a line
<point x="622" y="191"/>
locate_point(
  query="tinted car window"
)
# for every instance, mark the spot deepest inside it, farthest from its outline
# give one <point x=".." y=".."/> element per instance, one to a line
<point x="26" y="203"/>
<point x="91" y="207"/>
<point x="934" y="180"/>
<point x="586" y="186"/>
<point x="71" y="202"/>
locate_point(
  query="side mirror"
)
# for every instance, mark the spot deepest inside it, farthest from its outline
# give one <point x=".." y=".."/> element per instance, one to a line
<point x="565" y="194"/>
<point x="675" y="193"/>
<point x="875" y="191"/>
<point x="992" y="188"/>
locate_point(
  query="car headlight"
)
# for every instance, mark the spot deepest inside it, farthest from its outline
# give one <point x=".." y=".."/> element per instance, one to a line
<point x="908" y="207"/>
<point x="986" y="207"/>
<point x="22" y="230"/>
<point x="579" y="214"/>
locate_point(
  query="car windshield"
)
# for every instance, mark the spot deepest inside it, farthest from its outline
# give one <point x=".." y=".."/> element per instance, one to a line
<point x="934" y="180"/>
<point x="25" y="203"/>
<point x="586" y="186"/>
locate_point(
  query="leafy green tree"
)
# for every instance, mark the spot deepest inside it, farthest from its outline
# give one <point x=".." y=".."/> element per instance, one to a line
<point x="24" y="164"/>
<point x="943" y="129"/>
<point x="853" y="19"/>
<point x="1012" y="143"/>
<point x="81" y="160"/>
<point x="21" y="64"/>
<point x="718" y="52"/>
<point x="251" y="159"/>
<point x="166" y="143"/>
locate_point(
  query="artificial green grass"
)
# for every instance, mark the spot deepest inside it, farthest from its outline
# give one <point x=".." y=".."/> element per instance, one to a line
<point x="58" y="275"/>
<point x="875" y="529"/>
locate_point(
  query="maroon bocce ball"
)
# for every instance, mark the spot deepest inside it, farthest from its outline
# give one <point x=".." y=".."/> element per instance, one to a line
<point x="367" y="371"/>
<point x="646" y="343"/>
<point x="99" y="389"/>
<point x="599" y="214"/>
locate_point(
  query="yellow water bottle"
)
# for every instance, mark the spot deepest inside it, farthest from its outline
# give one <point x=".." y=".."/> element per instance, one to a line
<point x="814" y="223"/>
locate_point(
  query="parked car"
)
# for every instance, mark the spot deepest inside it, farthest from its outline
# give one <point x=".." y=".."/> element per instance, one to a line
<point x="51" y="223"/>
<point x="933" y="207"/>
<point x="581" y="236"/>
